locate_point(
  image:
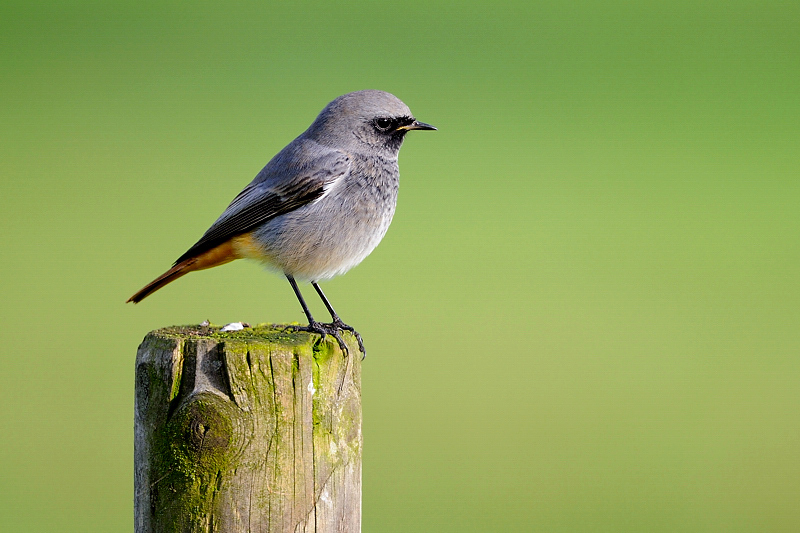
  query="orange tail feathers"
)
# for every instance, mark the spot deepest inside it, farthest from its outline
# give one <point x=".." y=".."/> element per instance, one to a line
<point x="224" y="253"/>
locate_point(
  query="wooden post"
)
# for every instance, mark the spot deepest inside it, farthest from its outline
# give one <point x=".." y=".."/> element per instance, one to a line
<point x="251" y="431"/>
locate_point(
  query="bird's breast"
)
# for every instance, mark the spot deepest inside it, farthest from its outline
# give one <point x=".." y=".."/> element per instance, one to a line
<point x="336" y="232"/>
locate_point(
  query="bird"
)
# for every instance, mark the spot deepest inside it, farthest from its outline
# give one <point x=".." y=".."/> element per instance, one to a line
<point x="318" y="207"/>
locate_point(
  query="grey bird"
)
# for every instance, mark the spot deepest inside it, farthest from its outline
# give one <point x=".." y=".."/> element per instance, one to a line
<point x="319" y="207"/>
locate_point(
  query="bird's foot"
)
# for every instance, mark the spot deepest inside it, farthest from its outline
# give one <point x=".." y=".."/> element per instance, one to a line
<point x="337" y="323"/>
<point x="334" y="329"/>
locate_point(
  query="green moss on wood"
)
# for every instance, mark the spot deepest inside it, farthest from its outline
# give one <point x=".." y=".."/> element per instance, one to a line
<point x="192" y="451"/>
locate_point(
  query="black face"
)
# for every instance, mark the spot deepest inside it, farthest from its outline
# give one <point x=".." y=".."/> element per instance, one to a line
<point x="389" y="125"/>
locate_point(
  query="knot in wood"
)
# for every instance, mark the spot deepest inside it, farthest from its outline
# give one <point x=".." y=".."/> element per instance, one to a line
<point x="206" y="425"/>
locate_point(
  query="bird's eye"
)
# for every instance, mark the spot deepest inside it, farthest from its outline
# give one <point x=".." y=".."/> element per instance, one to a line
<point x="383" y="124"/>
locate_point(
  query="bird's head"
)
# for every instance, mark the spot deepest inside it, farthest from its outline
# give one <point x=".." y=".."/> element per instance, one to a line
<point x="365" y="121"/>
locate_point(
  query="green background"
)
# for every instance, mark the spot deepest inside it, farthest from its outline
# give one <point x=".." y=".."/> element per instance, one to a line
<point x="585" y="316"/>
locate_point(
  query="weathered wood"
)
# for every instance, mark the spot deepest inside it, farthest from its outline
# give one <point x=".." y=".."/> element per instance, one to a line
<point x="250" y="431"/>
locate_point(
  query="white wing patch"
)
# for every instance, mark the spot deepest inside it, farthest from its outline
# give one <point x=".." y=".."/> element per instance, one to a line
<point x="330" y="185"/>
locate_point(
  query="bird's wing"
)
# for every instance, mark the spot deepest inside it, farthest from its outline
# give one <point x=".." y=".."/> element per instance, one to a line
<point x="272" y="194"/>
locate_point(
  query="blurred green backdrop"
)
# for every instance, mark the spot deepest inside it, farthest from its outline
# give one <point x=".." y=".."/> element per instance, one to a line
<point x="584" y="317"/>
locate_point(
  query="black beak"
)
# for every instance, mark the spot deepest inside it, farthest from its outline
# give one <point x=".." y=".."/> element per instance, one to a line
<point x="417" y="125"/>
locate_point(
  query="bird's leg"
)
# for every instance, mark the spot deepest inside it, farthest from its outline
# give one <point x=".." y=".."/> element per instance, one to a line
<point x="337" y="322"/>
<point x="299" y="295"/>
<point x="313" y="325"/>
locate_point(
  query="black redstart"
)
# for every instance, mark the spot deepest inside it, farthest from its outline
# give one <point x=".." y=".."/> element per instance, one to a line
<point x="319" y="207"/>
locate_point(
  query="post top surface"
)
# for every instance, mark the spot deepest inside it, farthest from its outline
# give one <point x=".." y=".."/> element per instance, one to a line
<point x="273" y="333"/>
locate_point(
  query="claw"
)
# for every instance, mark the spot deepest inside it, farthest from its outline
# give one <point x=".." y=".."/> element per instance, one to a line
<point x="337" y="323"/>
<point x="333" y="329"/>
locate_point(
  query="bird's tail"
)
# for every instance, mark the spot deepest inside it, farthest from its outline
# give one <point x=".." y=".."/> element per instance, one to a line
<point x="181" y="269"/>
<point x="219" y="255"/>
